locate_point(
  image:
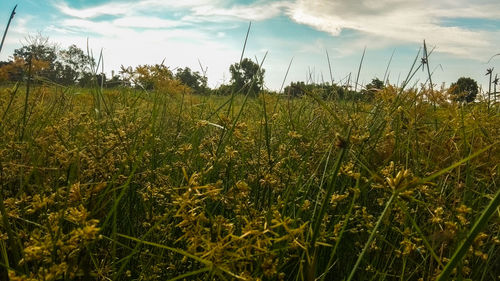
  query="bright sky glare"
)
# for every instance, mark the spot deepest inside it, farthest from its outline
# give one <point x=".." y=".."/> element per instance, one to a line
<point x="465" y="35"/>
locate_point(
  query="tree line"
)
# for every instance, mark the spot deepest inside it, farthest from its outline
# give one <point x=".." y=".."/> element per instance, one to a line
<point x="74" y="67"/>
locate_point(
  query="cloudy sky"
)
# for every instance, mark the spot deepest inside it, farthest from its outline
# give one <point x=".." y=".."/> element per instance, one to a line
<point x="465" y="35"/>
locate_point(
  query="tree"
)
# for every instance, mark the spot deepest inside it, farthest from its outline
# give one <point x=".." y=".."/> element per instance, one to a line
<point x="247" y="76"/>
<point x="192" y="79"/>
<point x="64" y="67"/>
<point x="12" y="70"/>
<point x="41" y="54"/>
<point x="71" y="65"/>
<point x="376" y="84"/>
<point x="372" y="88"/>
<point x="464" y="90"/>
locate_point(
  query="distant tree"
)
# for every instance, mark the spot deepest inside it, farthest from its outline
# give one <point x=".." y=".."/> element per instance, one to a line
<point x="323" y="90"/>
<point x="376" y="84"/>
<point x="223" y="90"/>
<point x="12" y="70"/>
<point x="65" y="67"/>
<point x="192" y="79"/>
<point x="464" y="90"/>
<point x="41" y="54"/>
<point x="296" y="89"/>
<point x="87" y="80"/>
<point x="71" y="65"/>
<point x="247" y="76"/>
<point x="372" y="88"/>
<point x="116" y="81"/>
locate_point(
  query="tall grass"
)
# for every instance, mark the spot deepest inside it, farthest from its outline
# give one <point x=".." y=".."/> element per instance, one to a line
<point x="297" y="194"/>
<point x="129" y="184"/>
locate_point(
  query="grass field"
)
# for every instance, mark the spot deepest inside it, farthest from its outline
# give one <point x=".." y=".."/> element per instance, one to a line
<point x="131" y="185"/>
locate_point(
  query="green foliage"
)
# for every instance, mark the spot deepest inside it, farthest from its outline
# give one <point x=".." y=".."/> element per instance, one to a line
<point x="65" y="67"/>
<point x="72" y="65"/>
<point x="148" y="77"/>
<point x="376" y="84"/>
<point x="464" y="90"/>
<point x="327" y="91"/>
<point x="247" y="77"/>
<point x="223" y="90"/>
<point x="193" y="80"/>
<point x="372" y="88"/>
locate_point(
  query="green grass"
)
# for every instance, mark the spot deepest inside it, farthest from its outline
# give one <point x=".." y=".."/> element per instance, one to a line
<point x="166" y="185"/>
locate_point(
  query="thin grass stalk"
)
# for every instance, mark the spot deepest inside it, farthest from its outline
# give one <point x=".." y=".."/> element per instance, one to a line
<point x="282" y="85"/>
<point x="495" y="83"/>
<point x="236" y="119"/>
<point x="329" y="191"/>
<point x="267" y="132"/>
<point x="241" y="59"/>
<point x="126" y="259"/>
<point x="426" y="62"/>
<point x="14" y="243"/>
<point x="405" y="259"/>
<point x="473" y="232"/>
<point x="490" y="256"/>
<point x="286" y="75"/>
<point x="489" y="72"/>
<point x="191" y="273"/>
<point x="12" y="95"/>
<point x="233" y="93"/>
<point x="372" y="234"/>
<point x="422" y="236"/>
<point x="12" y="238"/>
<point x="5" y="258"/>
<point x="7" y="27"/>
<point x="323" y="104"/>
<point x="359" y="70"/>
<point x="410" y="73"/>
<point x="329" y="66"/>
<point x="322" y="180"/>
<point x="341" y="235"/>
<point x="181" y="110"/>
<point x="431" y="86"/>
<point x="28" y="87"/>
<point x="387" y="68"/>
<point x="207" y="263"/>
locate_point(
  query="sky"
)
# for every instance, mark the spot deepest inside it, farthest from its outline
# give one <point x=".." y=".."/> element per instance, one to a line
<point x="463" y="35"/>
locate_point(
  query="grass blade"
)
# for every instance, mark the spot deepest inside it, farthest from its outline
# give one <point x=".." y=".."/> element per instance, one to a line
<point x="7" y="27"/>
<point x="372" y="235"/>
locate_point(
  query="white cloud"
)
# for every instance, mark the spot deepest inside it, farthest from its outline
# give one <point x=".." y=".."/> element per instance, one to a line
<point x="104" y="28"/>
<point x="254" y="12"/>
<point x="111" y="8"/>
<point x="400" y="21"/>
<point x="198" y="9"/>
<point x="137" y="33"/>
<point x="145" y="22"/>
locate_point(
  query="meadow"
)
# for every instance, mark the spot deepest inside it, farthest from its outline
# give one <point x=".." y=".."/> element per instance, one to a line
<point x="127" y="184"/>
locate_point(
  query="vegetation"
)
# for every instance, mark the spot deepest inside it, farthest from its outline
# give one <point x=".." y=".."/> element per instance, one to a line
<point x="193" y="80"/>
<point x="247" y="77"/>
<point x="162" y="179"/>
<point x="464" y="90"/>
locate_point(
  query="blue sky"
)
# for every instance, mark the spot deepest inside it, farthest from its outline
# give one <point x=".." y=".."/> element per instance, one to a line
<point x="465" y="35"/>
